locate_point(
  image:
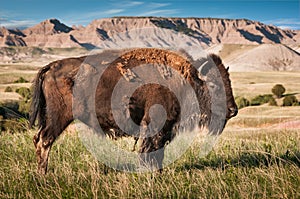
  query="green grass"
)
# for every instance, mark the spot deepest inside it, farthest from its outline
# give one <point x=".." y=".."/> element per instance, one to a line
<point x="261" y="163"/>
<point x="235" y="169"/>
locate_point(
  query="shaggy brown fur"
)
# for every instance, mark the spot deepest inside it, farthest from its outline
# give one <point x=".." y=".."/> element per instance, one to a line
<point x="56" y="83"/>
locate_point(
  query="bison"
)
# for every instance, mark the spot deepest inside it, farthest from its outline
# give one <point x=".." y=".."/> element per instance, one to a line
<point x="83" y="88"/>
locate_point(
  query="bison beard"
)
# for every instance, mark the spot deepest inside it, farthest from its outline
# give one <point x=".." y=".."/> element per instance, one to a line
<point x="55" y="105"/>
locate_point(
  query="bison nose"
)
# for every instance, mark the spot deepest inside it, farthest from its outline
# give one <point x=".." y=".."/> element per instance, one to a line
<point x="233" y="112"/>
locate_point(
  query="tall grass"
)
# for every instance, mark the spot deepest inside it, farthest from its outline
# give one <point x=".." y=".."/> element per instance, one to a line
<point x="262" y="164"/>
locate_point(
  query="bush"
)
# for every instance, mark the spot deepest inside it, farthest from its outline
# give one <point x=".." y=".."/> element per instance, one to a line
<point x="24" y="105"/>
<point x="24" y="92"/>
<point x="24" y="108"/>
<point x="278" y="90"/>
<point x="272" y="102"/>
<point x="21" y="80"/>
<point x="290" y="100"/>
<point x="14" y="125"/>
<point x="261" y="99"/>
<point x="8" y="89"/>
<point x="242" y="102"/>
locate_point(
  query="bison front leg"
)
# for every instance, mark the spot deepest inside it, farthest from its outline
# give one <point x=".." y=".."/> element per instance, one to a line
<point x="42" y="145"/>
<point x="151" y="156"/>
<point x="152" y="150"/>
<point x="152" y="160"/>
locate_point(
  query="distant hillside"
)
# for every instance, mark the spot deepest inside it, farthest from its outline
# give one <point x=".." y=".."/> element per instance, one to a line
<point x="244" y="44"/>
<point x="264" y="57"/>
<point x="208" y="31"/>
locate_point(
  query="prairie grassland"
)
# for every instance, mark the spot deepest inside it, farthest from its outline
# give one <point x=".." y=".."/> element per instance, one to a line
<point x="250" y="160"/>
<point x="251" y="84"/>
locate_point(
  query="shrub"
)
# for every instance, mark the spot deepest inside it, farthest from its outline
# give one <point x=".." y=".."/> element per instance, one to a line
<point x="14" y="125"/>
<point x="260" y="99"/>
<point x="24" y="108"/>
<point x="13" y="116"/>
<point x="272" y="102"/>
<point x="24" y="105"/>
<point x="8" y="89"/>
<point x="242" y="102"/>
<point x="24" y="92"/>
<point x="21" y="80"/>
<point x="278" y="90"/>
<point x="290" y="100"/>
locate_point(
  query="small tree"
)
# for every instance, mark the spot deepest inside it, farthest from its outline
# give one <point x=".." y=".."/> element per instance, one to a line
<point x="290" y="100"/>
<point x="278" y="90"/>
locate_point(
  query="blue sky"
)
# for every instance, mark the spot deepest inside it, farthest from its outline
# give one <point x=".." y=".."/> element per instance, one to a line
<point x="24" y="13"/>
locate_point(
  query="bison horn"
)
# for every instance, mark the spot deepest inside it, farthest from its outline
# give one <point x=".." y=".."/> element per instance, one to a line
<point x="202" y="68"/>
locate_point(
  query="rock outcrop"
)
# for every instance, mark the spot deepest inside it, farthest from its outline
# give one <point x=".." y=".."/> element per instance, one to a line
<point x="243" y="44"/>
<point x="208" y="31"/>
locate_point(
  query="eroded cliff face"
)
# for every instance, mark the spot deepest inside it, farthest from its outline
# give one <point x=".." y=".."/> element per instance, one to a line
<point x="11" y="37"/>
<point x="207" y="31"/>
<point x="240" y="31"/>
<point x="244" y="45"/>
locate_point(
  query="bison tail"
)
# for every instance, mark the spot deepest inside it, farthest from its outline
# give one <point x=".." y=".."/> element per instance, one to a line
<point x="38" y="102"/>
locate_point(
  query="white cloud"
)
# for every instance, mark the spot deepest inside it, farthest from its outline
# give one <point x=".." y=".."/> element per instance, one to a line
<point x="87" y="17"/>
<point x="289" y="27"/>
<point x="134" y="3"/>
<point x="99" y="14"/>
<point x="289" y="23"/>
<point x="126" y="4"/>
<point x="17" y="23"/>
<point x="162" y="12"/>
<point x="155" y="8"/>
<point x="112" y="11"/>
<point x="8" y="20"/>
<point x="130" y="8"/>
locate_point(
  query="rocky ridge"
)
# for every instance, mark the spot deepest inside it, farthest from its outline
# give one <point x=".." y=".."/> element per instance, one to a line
<point x="243" y="44"/>
<point x="208" y="31"/>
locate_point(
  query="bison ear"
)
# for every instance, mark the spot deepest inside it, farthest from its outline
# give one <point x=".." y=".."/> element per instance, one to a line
<point x="227" y="69"/>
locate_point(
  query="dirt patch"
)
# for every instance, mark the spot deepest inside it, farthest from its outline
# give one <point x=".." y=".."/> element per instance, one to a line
<point x="289" y="125"/>
<point x="9" y="96"/>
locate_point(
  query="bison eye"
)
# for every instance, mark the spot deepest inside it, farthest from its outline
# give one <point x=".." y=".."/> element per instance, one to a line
<point x="212" y="86"/>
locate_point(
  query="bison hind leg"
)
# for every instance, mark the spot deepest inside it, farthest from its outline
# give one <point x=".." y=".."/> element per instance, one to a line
<point x="43" y="145"/>
<point x="43" y="141"/>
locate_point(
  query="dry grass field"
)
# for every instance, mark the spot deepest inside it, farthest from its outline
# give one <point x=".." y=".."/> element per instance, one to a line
<point x="251" y="84"/>
<point x="257" y="156"/>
